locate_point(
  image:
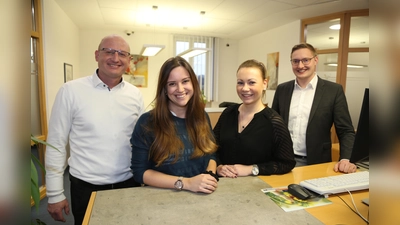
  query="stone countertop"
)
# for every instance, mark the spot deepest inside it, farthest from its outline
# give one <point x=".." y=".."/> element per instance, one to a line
<point x="236" y="201"/>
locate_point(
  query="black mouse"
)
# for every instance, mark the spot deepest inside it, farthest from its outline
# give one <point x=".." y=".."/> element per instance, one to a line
<point x="299" y="191"/>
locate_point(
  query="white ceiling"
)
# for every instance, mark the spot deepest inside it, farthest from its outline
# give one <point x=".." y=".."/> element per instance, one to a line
<point x="233" y="19"/>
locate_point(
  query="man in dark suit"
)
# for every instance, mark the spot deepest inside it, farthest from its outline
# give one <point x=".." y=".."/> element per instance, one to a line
<point x="309" y="106"/>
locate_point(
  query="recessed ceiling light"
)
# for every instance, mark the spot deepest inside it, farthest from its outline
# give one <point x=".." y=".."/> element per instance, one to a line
<point x="335" y="27"/>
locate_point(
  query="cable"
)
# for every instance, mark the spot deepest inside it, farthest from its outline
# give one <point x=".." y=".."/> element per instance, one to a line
<point x="355" y="211"/>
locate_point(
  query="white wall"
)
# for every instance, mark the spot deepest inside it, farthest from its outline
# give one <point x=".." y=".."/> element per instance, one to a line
<point x="226" y="71"/>
<point x="281" y="40"/>
<point x="61" y="45"/>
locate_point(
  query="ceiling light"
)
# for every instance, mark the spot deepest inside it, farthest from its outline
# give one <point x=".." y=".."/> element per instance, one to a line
<point x="193" y="52"/>
<point x="335" y="27"/>
<point x="348" y="66"/>
<point x="151" y="50"/>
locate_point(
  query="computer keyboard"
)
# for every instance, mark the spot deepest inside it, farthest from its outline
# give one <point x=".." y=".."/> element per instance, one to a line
<point x="338" y="184"/>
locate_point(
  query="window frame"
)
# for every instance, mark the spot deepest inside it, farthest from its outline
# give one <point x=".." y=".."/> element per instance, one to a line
<point x="207" y="84"/>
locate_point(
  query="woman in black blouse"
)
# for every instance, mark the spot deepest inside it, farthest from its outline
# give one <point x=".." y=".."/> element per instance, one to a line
<point x="252" y="138"/>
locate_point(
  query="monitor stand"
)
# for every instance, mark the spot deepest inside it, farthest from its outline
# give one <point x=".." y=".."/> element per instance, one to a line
<point x="363" y="164"/>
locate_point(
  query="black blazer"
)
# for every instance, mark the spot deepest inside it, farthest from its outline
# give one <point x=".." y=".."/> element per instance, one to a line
<point x="329" y="107"/>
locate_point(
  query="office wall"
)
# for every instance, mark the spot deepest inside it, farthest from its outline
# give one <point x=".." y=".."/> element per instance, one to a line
<point x="281" y="40"/>
<point x="61" y="45"/>
<point x="226" y="71"/>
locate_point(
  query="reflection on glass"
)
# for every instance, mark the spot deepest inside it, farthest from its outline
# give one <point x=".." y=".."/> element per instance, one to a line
<point x="359" y="32"/>
<point x="356" y="82"/>
<point x="35" y="104"/>
<point x="323" y="37"/>
<point x="325" y="69"/>
<point x="33" y="15"/>
<point x="181" y="46"/>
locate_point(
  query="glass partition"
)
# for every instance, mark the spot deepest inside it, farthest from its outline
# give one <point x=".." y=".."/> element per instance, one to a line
<point x="343" y="53"/>
<point x="324" y="35"/>
<point x="359" y="32"/>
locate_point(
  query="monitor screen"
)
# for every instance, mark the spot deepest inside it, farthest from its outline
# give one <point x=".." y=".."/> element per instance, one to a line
<point x="361" y="142"/>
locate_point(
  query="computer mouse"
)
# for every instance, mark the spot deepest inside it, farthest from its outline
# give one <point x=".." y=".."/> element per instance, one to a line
<point x="299" y="191"/>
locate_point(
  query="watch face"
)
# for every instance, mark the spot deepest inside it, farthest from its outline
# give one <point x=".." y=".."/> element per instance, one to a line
<point x="255" y="171"/>
<point x="178" y="184"/>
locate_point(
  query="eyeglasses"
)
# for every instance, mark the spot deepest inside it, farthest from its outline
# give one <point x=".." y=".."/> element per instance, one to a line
<point x="305" y="61"/>
<point x="111" y="52"/>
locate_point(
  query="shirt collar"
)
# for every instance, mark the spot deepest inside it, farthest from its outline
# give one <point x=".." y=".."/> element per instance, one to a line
<point x="312" y="84"/>
<point x="97" y="82"/>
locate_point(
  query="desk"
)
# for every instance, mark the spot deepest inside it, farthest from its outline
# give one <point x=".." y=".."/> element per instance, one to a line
<point x="214" y="114"/>
<point x="236" y="201"/>
<point x="336" y="213"/>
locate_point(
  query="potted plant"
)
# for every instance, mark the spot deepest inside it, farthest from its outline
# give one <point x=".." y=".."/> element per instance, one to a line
<point x="35" y="191"/>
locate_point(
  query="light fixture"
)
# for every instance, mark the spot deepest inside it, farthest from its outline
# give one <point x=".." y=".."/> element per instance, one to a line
<point x="151" y="50"/>
<point x="193" y="52"/>
<point x="348" y="65"/>
<point x="335" y="27"/>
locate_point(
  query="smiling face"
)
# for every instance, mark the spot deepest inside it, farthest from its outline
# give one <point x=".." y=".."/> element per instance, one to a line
<point x="179" y="89"/>
<point x="112" y="66"/>
<point x="250" y="85"/>
<point x="304" y="73"/>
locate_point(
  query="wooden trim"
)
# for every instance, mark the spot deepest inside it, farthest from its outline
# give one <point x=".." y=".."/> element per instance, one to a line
<point x="343" y="50"/>
<point x="42" y="195"/>
<point x="37" y="35"/>
<point x="327" y="51"/>
<point x="42" y="93"/>
<point x="358" y="49"/>
<point x="89" y="208"/>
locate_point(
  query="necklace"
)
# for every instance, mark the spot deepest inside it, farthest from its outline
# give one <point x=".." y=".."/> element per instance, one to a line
<point x="245" y="120"/>
<point x="242" y="122"/>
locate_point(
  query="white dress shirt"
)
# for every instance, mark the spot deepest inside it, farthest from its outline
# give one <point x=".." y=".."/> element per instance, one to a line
<point x="300" y="107"/>
<point x="98" y="123"/>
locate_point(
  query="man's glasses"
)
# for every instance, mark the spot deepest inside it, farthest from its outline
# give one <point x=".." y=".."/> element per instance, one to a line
<point x="305" y="61"/>
<point x="111" y="52"/>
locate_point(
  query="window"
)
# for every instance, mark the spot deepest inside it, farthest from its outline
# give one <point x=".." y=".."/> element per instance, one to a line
<point x="202" y="64"/>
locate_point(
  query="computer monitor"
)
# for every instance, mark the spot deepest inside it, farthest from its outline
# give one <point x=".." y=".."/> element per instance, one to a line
<point x="361" y="143"/>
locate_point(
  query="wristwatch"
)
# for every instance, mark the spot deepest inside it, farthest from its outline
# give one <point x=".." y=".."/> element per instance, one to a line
<point x="179" y="184"/>
<point x="255" y="170"/>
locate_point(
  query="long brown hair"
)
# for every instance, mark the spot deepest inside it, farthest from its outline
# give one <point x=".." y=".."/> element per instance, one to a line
<point x="167" y="142"/>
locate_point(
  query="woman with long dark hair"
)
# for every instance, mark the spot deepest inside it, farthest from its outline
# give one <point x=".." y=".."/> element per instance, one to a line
<point x="173" y="144"/>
